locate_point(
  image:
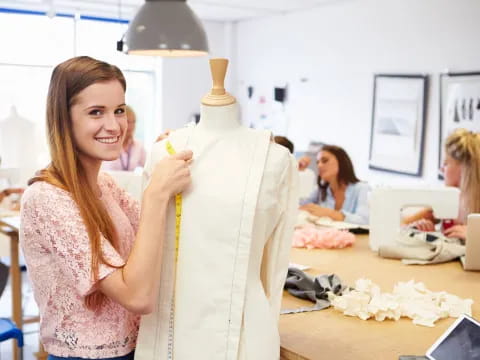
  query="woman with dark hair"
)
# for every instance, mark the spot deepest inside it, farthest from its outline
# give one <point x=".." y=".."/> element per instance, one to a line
<point x="340" y="196"/>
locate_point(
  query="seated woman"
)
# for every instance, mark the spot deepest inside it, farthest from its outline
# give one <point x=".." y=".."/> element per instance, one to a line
<point x="461" y="169"/>
<point x="340" y="195"/>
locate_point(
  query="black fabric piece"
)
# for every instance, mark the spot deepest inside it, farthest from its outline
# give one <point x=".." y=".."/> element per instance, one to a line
<point x="430" y="237"/>
<point x="359" y="231"/>
<point x="303" y="286"/>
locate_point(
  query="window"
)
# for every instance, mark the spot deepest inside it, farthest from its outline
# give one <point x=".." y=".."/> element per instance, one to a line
<point x="35" y="44"/>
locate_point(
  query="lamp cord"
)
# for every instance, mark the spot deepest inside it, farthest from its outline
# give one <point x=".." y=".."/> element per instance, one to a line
<point x="120" y="42"/>
<point x="119" y="9"/>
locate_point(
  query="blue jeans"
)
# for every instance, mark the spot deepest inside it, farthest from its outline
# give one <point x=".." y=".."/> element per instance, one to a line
<point x="124" y="357"/>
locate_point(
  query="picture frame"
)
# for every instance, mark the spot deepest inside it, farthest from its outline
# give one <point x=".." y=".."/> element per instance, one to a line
<point x="397" y="135"/>
<point x="459" y="102"/>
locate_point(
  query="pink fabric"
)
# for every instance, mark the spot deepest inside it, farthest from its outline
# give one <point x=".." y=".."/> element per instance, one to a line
<point x="57" y="252"/>
<point x="311" y="237"/>
<point x="128" y="160"/>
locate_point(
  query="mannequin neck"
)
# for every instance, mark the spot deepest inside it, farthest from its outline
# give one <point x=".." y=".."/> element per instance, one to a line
<point x="218" y="118"/>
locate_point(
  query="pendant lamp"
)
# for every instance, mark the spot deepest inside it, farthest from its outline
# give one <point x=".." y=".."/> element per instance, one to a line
<point x="166" y="28"/>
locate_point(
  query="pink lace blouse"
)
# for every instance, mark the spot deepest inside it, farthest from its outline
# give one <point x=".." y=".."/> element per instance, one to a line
<point x="57" y="252"/>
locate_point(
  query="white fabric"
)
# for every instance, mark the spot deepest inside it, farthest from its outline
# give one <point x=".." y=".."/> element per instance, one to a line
<point x="408" y="299"/>
<point x="237" y="224"/>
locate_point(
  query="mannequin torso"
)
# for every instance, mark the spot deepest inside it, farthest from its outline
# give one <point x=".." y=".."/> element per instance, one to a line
<point x="235" y="237"/>
<point x="237" y="221"/>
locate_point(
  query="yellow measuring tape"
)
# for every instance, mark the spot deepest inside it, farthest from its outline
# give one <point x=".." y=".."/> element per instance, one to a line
<point x="178" y="208"/>
<point x="178" y="221"/>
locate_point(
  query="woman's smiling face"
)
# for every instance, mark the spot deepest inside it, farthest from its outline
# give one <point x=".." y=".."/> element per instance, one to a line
<point x="99" y="121"/>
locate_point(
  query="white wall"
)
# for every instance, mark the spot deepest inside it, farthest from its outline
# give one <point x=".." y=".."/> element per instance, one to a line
<point x="338" y="47"/>
<point x="186" y="80"/>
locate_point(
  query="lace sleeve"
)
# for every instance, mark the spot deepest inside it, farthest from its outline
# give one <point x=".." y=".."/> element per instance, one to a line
<point x="127" y="203"/>
<point x="52" y="215"/>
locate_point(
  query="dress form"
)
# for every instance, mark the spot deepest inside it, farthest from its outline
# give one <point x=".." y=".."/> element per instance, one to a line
<point x="237" y="223"/>
<point x="18" y="146"/>
<point x="218" y="110"/>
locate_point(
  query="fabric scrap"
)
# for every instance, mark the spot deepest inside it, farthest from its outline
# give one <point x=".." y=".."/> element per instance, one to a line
<point x="316" y="289"/>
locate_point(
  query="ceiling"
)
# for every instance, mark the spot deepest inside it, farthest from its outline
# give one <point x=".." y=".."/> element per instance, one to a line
<point x="216" y="10"/>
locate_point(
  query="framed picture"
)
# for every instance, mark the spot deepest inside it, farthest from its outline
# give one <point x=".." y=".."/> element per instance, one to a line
<point x="459" y="106"/>
<point x="398" y="123"/>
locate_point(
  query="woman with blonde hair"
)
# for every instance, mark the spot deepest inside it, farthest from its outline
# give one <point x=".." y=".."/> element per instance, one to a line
<point x="133" y="154"/>
<point x="461" y="168"/>
<point x="92" y="253"/>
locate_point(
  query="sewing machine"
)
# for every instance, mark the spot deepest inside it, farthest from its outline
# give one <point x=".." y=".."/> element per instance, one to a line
<point x="387" y="203"/>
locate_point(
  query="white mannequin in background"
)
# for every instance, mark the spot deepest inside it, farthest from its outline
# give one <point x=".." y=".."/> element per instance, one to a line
<point x="18" y="144"/>
<point x="237" y="225"/>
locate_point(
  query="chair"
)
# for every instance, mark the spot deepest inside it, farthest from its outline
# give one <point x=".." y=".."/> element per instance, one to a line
<point x="8" y="331"/>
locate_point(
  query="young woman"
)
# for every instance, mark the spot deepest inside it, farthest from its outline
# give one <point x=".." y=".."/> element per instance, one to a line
<point x="461" y="169"/>
<point x="91" y="252"/>
<point x="340" y="196"/>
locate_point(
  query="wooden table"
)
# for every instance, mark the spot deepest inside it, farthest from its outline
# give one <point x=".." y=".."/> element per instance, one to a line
<point x="10" y="227"/>
<point x="328" y="334"/>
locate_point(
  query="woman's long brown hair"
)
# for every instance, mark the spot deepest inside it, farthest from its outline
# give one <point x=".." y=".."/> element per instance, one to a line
<point x="346" y="173"/>
<point x="65" y="170"/>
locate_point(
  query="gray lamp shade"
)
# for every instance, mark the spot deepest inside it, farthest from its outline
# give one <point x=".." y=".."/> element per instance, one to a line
<point x="166" y="28"/>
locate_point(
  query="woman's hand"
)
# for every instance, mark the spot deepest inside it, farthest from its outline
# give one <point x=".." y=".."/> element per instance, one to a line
<point x="423" y="225"/>
<point x="303" y="162"/>
<point x="136" y="285"/>
<point x="456" y="231"/>
<point x="425" y="213"/>
<point x="316" y="210"/>
<point x="170" y="176"/>
<point x="163" y="136"/>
